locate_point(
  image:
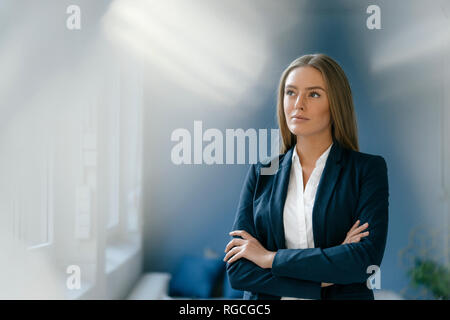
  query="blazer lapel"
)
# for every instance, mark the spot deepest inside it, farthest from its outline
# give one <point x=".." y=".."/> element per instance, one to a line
<point x="326" y="185"/>
<point x="278" y="197"/>
<point x="325" y="189"/>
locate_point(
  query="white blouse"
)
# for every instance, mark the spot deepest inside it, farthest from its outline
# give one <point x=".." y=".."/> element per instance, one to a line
<point x="297" y="213"/>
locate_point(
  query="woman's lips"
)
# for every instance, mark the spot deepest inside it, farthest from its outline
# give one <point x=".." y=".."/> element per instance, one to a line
<point x="299" y="119"/>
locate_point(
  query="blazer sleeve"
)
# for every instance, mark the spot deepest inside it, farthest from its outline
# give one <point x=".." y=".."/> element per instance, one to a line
<point x="347" y="263"/>
<point x="245" y="275"/>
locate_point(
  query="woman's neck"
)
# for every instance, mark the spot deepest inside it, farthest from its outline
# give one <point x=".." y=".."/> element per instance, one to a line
<point x="310" y="148"/>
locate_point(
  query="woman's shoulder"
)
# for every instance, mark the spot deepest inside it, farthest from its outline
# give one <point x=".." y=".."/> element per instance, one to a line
<point x="267" y="161"/>
<point x="363" y="159"/>
<point x="272" y="161"/>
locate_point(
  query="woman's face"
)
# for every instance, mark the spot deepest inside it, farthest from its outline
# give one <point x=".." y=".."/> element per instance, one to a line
<point x="305" y="96"/>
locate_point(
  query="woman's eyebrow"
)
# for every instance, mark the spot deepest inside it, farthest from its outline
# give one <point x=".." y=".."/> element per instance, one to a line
<point x="308" y="88"/>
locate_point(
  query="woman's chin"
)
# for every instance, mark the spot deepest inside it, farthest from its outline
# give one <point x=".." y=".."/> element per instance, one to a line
<point x="299" y="131"/>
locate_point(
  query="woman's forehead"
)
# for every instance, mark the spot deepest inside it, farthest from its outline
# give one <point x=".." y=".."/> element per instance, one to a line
<point x="303" y="77"/>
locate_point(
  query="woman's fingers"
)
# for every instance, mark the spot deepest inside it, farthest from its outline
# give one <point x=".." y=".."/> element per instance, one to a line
<point x="236" y="257"/>
<point x="359" y="229"/>
<point x="325" y="284"/>
<point x="358" y="237"/>
<point x="234" y="247"/>
<point x="242" y="233"/>
<point x="354" y="226"/>
<point x="231" y="253"/>
<point x="355" y="239"/>
<point x="233" y="243"/>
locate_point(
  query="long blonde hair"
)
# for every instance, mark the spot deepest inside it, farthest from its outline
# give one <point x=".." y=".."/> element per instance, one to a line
<point x="343" y="119"/>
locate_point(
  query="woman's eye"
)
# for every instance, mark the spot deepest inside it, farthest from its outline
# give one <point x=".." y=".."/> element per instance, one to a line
<point x="314" y="94"/>
<point x="289" y="92"/>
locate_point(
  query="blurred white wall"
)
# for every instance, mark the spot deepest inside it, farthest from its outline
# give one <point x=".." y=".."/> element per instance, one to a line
<point x="70" y="140"/>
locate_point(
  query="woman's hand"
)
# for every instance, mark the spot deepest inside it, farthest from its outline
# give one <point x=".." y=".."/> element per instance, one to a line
<point x="324" y="284"/>
<point x="354" y="235"/>
<point x="248" y="247"/>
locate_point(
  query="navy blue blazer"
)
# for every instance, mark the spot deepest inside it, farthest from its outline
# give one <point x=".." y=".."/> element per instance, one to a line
<point x="353" y="185"/>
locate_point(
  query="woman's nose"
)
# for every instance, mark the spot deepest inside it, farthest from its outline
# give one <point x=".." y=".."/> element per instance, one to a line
<point x="299" y="103"/>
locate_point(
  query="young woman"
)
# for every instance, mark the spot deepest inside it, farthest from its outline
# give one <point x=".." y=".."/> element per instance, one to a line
<point x="312" y="229"/>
